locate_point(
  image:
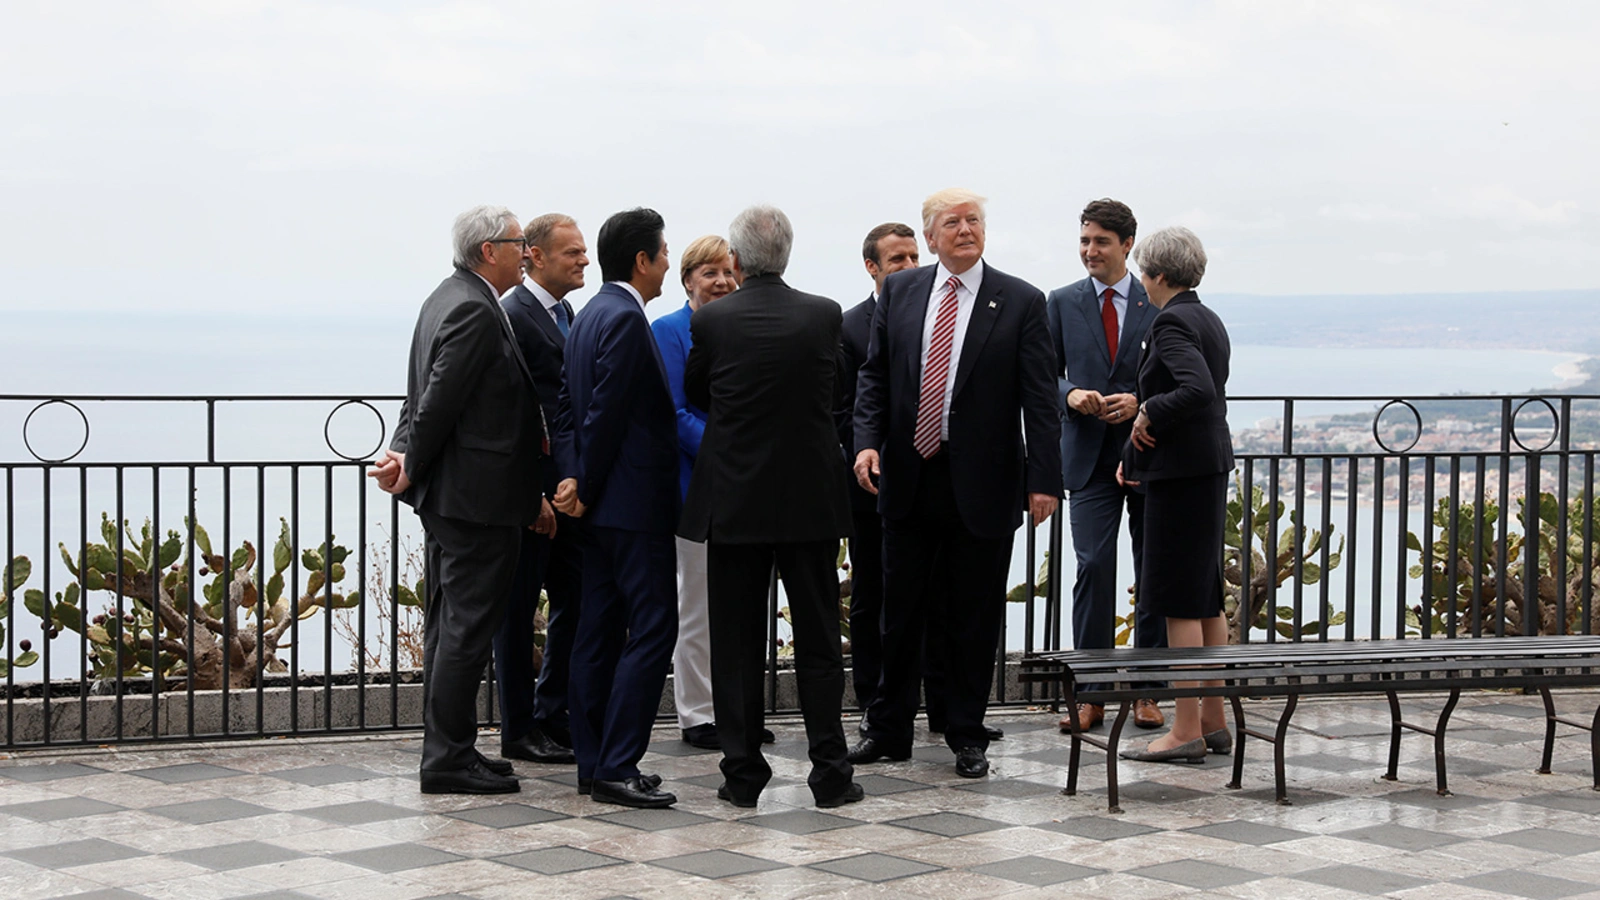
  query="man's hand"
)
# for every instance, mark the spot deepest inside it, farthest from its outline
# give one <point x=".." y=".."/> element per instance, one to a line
<point x="546" y="523"/>
<point x="1142" y="438"/>
<point x="1124" y="483"/>
<point x="867" y="470"/>
<point x="1042" y="506"/>
<point x="1085" y="402"/>
<point x="567" y="498"/>
<point x="390" y="473"/>
<point x="1117" y="408"/>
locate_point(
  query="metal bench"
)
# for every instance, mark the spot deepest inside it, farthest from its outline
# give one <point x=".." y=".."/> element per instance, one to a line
<point x="1290" y="670"/>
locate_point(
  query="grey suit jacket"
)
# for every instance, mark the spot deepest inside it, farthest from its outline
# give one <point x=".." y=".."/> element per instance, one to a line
<point x="470" y="426"/>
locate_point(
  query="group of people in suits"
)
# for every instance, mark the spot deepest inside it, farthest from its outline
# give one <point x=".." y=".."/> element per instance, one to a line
<point x="651" y="479"/>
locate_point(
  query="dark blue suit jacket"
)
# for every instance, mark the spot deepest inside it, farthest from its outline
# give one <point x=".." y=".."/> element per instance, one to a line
<point x="543" y="348"/>
<point x="1003" y="394"/>
<point x="1083" y="361"/>
<point x="615" y="432"/>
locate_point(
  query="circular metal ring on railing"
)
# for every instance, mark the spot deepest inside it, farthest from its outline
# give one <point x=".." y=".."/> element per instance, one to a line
<point x="327" y="431"/>
<point x="1555" y="422"/>
<point x="81" y="444"/>
<point x="1378" y="436"/>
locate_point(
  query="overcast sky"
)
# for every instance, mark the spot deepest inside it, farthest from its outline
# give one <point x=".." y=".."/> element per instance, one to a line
<point x="309" y="156"/>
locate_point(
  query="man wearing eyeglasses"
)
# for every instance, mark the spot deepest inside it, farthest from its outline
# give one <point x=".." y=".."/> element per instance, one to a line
<point x="466" y="455"/>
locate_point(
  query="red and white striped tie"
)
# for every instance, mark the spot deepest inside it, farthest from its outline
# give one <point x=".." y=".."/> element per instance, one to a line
<point x="930" y="408"/>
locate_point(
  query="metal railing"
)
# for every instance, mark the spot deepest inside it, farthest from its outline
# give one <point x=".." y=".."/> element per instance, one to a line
<point x="159" y="599"/>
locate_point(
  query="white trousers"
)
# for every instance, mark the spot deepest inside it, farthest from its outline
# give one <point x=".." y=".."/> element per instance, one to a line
<point x="691" y="659"/>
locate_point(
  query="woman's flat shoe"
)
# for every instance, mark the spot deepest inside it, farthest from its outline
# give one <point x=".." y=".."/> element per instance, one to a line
<point x="1219" y="742"/>
<point x="1190" y="752"/>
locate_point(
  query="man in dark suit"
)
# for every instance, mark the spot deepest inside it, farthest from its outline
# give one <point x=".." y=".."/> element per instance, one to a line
<point x="533" y="701"/>
<point x="956" y="430"/>
<point x="1098" y="325"/>
<point x="617" y="449"/>
<point x="466" y="456"/>
<point x="888" y="248"/>
<point x="770" y="487"/>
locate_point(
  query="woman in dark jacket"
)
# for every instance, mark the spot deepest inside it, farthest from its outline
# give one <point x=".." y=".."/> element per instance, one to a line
<point x="1182" y="452"/>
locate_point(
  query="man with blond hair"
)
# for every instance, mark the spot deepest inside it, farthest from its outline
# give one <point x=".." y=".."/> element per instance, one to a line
<point x="956" y="432"/>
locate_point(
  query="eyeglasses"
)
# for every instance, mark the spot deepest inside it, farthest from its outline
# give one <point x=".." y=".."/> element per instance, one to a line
<point x="521" y="240"/>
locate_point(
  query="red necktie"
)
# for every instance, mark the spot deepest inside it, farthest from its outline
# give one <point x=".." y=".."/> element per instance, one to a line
<point x="1108" y="317"/>
<point x="930" y="409"/>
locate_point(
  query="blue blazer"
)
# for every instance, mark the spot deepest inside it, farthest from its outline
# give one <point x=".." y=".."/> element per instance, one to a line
<point x="1005" y="420"/>
<point x="675" y="341"/>
<point x="615" y="431"/>
<point x="1083" y="361"/>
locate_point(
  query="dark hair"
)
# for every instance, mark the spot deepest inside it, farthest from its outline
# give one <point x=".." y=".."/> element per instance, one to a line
<point x="1113" y="216"/>
<point x="623" y="237"/>
<point x="869" y="247"/>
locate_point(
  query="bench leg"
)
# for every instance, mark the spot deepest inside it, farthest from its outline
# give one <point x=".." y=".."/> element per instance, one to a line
<point x="1394" y="738"/>
<point x="1112" y="805"/>
<point x="1076" y="752"/>
<point x="1438" y="741"/>
<point x="1238" y="744"/>
<point x="1277" y="750"/>
<point x="1549" y="730"/>
<point x="1594" y="748"/>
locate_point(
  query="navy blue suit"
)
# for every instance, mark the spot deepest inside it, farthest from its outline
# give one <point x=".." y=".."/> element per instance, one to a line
<point x="537" y="697"/>
<point x="1090" y="452"/>
<point x="961" y="507"/>
<point x="616" y="434"/>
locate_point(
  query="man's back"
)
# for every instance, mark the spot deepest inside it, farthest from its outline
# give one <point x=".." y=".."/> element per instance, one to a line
<point x="770" y="469"/>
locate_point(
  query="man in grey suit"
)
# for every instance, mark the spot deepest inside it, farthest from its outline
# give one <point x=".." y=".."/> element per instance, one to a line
<point x="1098" y="325"/>
<point x="466" y="456"/>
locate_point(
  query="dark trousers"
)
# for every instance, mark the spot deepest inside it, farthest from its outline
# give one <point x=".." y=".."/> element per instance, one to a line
<point x="624" y="643"/>
<point x="866" y="604"/>
<point x="737" y="579"/>
<point x="469" y="568"/>
<point x="932" y="542"/>
<point x="530" y="697"/>
<point x="1095" y="514"/>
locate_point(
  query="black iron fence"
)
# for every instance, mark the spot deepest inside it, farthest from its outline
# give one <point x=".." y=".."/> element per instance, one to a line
<point x="188" y="567"/>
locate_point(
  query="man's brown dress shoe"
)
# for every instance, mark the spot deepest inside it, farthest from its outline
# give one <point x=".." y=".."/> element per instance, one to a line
<point x="1088" y="713"/>
<point x="1146" y="714"/>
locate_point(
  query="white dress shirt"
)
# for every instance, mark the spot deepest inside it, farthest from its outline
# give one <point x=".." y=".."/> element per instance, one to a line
<point x="493" y="293"/>
<point x="966" y="298"/>
<point x="1119" y="300"/>
<point x="545" y="298"/>
<point x="632" y="290"/>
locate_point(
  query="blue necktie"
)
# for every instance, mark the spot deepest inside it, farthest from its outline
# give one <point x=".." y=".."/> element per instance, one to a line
<point x="561" y="318"/>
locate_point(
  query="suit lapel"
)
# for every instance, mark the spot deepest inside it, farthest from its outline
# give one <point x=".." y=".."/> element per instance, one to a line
<point x="1089" y="305"/>
<point x="546" y="322"/>
<point x="500" y="316"/>
<point x="1139" y="311"/>
<point x="985" y="310"/>
<point x="916" y="305"/>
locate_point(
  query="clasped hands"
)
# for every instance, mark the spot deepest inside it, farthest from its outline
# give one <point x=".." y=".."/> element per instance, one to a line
<point x="868" y="468"/>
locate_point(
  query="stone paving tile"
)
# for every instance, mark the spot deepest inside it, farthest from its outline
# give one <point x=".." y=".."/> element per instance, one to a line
<point x="653" y="819"/>
<point x="558" y="860"/>
<point x="74" y="853"/>
<point x="800" y="821"/>
<point x="322" y="776"/>
<point x="875" y="867"/>
<point x="1036" y="870"/>
<point x="717" y="864"/>
<point x="362" y="812"/>
<point x="45" y="772"/>
<point x="241" y="855"/>
<point x="510" y="815"/>
<point x="1526" y="884"/>
<point x="1399" y="837"/>
<point x="57" y="810"/>
<point x="1098" y="827"/>
<point x="1563" y="843"/>
<point x="947" y="824"/>
<point x="205" y="812"/>
<point x="1196" y="874"/>
<point x="396" y="857"/>
<point x="1247" y="832"/>
<point x="184" y="773"/>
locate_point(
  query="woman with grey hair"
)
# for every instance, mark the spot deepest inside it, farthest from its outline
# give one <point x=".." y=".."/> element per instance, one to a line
<point x="1182" y="452"/>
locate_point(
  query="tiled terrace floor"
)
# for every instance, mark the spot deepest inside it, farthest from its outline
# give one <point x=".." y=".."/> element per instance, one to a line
<point x="343" y="819"/>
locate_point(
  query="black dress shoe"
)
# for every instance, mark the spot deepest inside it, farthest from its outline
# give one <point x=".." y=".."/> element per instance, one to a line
<point x="560" y="734"/>
<point x="703" y="736"/>
<point x="724" y="794"/>
<point x="535" y="746"/>
<point x="851" y="794"/>
<point x="474" y="779"/>
<point x="586" y="785"/>
<point x="870" y="751"/>
<point x="497" y="766"/>
<point x="767" y="737"/>
<point x="994" y="733"/>
<point x="636" y="792"/>
<point x="971" y="763"/>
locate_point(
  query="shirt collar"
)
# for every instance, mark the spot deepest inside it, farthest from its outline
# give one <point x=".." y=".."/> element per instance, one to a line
<point x="1121" y="287"/>
<point x="971" y="279"/>
<point x="545" y="298"/>
<point x="631" y="290"/>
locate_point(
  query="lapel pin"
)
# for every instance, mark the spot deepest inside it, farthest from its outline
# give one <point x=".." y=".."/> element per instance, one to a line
<point x="993" y="305"/>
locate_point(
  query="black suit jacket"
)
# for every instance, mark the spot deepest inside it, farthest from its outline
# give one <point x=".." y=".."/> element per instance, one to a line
<point x="470" y="426"/>
<point x="1005" y="423"/>
<point x="1183" y="378"/>
<point x="855" y="333"/>
<point x="763" y="367"/>
<point x="543" y="348"/>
